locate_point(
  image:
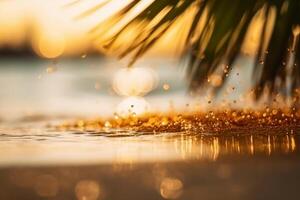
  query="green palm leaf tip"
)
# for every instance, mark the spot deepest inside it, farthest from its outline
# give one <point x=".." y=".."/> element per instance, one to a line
<point x="226" y="25"/>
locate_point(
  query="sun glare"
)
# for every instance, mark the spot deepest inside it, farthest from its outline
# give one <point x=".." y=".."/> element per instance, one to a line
<point x="135" y="81"/>
<point x="51" y="47"/>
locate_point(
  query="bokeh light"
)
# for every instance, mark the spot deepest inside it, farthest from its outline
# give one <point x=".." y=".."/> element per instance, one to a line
<point x="135" y="81"/>
<point x="51" y="46"/>
<point x="46" y="185"/>
<point x="87" y="190"/>
<point x="171" y="188"/>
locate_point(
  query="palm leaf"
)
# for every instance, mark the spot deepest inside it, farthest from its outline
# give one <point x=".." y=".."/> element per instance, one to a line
<point x="226" y="24"/>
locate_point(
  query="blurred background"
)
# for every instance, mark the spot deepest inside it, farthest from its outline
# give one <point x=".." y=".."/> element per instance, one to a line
<point x="51" y="29"/>
<point x="52" y="64"/>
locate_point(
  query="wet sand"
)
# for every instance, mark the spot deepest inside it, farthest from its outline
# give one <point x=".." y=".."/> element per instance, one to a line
<point x="230" y="177"/>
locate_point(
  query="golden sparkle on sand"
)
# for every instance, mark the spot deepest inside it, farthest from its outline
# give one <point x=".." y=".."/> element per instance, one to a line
<point x="241" y="114"/>
<point x="206" y="122"/>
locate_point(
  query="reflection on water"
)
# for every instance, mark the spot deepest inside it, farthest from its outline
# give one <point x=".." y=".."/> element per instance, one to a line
<point x="41" y="146"/>
<point x="124" y="165"/>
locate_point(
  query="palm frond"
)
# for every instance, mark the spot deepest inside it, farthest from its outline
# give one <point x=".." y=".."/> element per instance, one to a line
<point x="219" y="41"/>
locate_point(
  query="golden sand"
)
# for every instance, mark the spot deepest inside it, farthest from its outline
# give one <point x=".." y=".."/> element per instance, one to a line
<point x="200" y="122"/>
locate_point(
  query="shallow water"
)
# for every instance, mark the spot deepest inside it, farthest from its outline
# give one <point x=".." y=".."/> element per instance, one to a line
<point x="43" y="146"/>
<point x="44" y="164"/>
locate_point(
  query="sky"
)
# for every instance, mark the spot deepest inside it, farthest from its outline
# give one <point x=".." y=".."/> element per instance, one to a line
<point x="53" y="29"/>
<point x="48" y="25"/>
